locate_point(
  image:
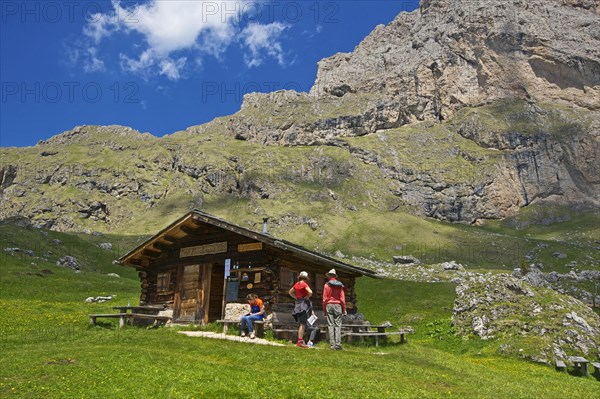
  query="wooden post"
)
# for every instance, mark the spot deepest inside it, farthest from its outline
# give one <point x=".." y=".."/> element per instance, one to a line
<point x="224" y="302"/>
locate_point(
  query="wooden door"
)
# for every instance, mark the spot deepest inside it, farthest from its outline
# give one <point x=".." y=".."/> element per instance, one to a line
<point x="191" y="299"/>
<point x="216" y="296"/>
<point x="203" y="297"/>
<point x="187" y="283"/>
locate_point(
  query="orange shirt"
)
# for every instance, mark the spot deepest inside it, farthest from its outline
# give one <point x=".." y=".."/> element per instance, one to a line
<point x="256" y="306"/>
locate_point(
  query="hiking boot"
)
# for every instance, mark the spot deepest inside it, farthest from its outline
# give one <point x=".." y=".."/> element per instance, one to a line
<point x="252" y="335"/>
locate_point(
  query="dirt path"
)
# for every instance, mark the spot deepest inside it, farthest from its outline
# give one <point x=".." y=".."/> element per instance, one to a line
<point x="214" y="335"/>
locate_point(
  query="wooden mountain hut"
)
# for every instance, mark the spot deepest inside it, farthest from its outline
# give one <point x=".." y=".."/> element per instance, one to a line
<point x="199" y="263"/>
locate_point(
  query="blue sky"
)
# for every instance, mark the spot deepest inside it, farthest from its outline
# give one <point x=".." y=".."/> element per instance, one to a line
<point x="162" y="66"/>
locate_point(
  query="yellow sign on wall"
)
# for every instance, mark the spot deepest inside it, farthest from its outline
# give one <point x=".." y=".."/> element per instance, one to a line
<point x="199" y="250"/>
<point x="253" y="246"/>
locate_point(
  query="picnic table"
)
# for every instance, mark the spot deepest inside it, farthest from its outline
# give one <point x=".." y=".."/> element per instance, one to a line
<point x="580" y="364"/>
<point x="140" y="309"/>
<point x="133" y="312"/>
<point x="376" y="331"/>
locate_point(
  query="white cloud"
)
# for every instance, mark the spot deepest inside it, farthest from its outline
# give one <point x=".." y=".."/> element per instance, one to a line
<point x="168" y="26"/>
<point x="147" y="59"/>
<point x="261" y="38"/>
<point x="92" y="63"/>
<point x="215" y="41"/>
<point x="193" y="27"/>
<point x="80" y="53"/>
<point x="100" y="26"/>
<point x="171" y="68"/>
<point x="176" y="24"/>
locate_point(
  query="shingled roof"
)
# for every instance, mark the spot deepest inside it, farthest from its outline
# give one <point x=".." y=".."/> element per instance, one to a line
<point x="141" y="256"/>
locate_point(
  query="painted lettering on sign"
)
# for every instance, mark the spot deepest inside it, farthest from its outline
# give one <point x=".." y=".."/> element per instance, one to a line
<point x="199" y="250"/>
<point x="253" y="246"/>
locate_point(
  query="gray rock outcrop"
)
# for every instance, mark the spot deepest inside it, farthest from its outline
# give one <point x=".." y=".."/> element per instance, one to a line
<point x="584" y="285"/>
<point x="69" y="261"/>
<point x="405" y="260"/>
<point x="99" y="299"/>
<point x="510" y="310"/>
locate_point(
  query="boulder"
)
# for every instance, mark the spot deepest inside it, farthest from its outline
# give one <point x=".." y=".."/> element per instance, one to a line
<point x="99" y="299"/>
<point x="406" y="260"/>
<point x="452" y="265"/>
<point x="70" y="262"/>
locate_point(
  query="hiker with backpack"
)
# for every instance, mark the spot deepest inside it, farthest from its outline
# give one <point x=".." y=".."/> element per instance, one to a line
<point x="334" y="307"/>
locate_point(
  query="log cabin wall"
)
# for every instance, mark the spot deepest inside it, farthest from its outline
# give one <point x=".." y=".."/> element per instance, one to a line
<point x="256" y="267"/>
<point x="276" y="279"/>
<point x="259" y="264"/>
<point x="150" y="292"/>
<point x="287" y="275"/>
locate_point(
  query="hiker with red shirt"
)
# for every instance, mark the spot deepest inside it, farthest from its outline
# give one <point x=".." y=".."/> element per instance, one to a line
<point x="303" y="309"/>
<point x="334" y="307"/>
<point x="257" y="312"/>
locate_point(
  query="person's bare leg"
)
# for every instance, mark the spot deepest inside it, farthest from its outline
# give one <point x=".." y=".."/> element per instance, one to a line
<point x="301" y="332"/>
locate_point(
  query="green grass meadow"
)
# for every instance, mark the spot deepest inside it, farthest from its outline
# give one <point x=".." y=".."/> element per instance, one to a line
<point x="49" y="350"/>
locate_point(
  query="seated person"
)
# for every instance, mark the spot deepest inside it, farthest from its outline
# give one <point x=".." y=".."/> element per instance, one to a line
<point x="257" y="312"/>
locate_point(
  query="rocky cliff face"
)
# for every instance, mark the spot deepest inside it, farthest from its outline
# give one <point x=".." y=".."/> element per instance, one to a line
<point x="431" y="65"/>
<point x="457" y="111"/>
<point x="450" y="54"/>
<point x="427" y="64"/>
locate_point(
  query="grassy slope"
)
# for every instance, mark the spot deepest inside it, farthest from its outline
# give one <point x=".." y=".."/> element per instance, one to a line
<point x="48" y="349"/>
<point x="300" y="181"/>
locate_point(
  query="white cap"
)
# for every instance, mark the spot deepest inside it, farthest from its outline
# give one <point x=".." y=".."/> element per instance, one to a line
<point x="303" y="275"/>
<point x="332" y="273"/>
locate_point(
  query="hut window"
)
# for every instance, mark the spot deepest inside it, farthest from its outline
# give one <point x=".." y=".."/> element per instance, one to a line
<point x="287" y="278"/>
<point x="293" y="278"/>
<point x="319" y="283"/>
<point x="163" y="282"/>
<point x="284" y="274"/>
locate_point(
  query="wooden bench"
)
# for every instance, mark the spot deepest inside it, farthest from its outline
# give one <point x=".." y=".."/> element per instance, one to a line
<point x="376" y="335"/>
<point x="259" y="326"/>
<point x="286" y="327"/>
<point x="289" y="334"/>
<point x="560" y="365"/>
<point x="363" y="334"/>
<point x="158" y="320"/>
<point x="121" y="316"/>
